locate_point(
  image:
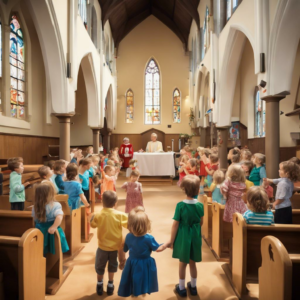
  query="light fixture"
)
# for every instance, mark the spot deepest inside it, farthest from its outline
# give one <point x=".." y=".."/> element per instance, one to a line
<point x="262" y="86"/>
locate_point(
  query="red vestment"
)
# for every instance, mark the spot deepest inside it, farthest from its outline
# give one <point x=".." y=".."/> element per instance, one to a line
<point x="126" y="153"/>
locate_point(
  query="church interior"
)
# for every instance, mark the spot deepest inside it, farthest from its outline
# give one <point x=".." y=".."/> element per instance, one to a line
<point x="114" y="110"/>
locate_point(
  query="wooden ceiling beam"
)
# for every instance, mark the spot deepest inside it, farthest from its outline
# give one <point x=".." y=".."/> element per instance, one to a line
<point x="109" y="9"/>
<point x="191" y="10"/>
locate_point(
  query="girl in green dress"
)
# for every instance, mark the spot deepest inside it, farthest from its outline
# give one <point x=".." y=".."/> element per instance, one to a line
<point x="186" y="240"/>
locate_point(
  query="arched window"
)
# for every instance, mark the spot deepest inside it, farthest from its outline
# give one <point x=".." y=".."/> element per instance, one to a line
<point x="94" y="27"/>
<point x="17" y="69"/>
<point x="260" y="116"/>
<point x="231" y="6"/>
<point x="152" y="94"/>
<point x="176" y="106"/>
<point x="82" y="5"/>
<point x="129" y="106"/>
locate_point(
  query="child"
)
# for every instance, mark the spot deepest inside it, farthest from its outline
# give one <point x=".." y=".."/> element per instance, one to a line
<point x="109" y="223"/>
<point x="45" y="173"/>
<point x="245" y="155"/>
<point x="186" y="239"/>
<point x="140" y="274"/>
<point x="289" y="172"/>
<point x="77" y="157"/>
<point x="187" y="151"/>
<point x="182" y="165"/>
<point x="247" y="166"/>
<point x="258" y="213"/>
<point x="191" y="167"/>
<point x="235" y="155"/>
<point x="259" y="171"/>
<point x="233" y="189"/>
<point x="83" y="170"/>
<point x="59" y="170"/>
<point x="218" y="179"/>
<point x="16" y="188"/>
<point x="134" y="191"/>
<point x="204" y="162"/>
<point x="48" y="216"/>
<point x="73" y="188"/>
<point x="89" y="151"/>
<point x="268" y="189"/>
<point x="211" y="168"/>
<point x="132" y="166"/>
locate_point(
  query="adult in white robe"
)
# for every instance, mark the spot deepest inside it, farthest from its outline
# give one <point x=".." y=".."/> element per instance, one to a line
<point x="154" y="145"/>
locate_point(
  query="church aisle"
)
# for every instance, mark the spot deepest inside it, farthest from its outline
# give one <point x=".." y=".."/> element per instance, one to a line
<point x="160" y="202"/>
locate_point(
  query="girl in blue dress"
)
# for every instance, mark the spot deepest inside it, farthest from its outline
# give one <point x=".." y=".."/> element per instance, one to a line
<point x="48" y="216"/>
<point x="140" y="274"/>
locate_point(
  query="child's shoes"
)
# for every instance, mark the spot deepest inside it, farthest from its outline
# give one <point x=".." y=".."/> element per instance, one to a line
<point x="110" y="290"/>
<point x="181" y="293"/>
<point x="193" y="290"/>
<point x="99" y="289"/>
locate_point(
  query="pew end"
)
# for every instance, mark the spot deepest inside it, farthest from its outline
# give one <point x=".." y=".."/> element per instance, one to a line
<point x="275" y="261"/>
<point x="23" y="265"/>
<point x="86" y="236"/>
<point x="207" y="219"/>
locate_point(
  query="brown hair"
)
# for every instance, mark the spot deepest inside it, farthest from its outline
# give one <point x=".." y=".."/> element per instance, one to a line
<point x="190" y="185"/>
<point x="14" y="163"/>
<point x="58" y="165"/>
<point x="44" y="194"/>
<point x="72" y="171"/>
<point x="249" y="164"/>
<point x="236" y="155"/>
<point x="214" y="158"/>
<point x="261" y="157"/>
<point x="110" y="198"/>
<point x="50" y="164"/>
<point x="295" y="160"/>
<point x="193" y="162"/>
<point x="85" y="162"/>
<point x="292" y="169"/>
<point x="43" y="171"/>
<point x="138" y="221"/>
<point x="246" y="154"/>
<point x="236" y="174"/>
<point x="134" y="173"/>
<point x="218" y="177"/>
<point x="257" y="199"/>
<point x="108" y="168"/>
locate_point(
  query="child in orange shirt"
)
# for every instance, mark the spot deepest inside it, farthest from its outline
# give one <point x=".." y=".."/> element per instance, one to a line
<point x="109" y="177"/>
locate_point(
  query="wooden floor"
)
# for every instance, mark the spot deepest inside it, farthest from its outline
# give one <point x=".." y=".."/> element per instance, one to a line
<point x="160" y="202"/>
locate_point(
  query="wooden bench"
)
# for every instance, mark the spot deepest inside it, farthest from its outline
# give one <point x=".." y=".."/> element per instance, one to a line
<point x="279" y="272"/>
<point x="246" y="256"/>
<point x="14" y="224"/>
<point x="221" y="232"/>
<point x="295" y="200"/>
<point x="207" y="219"/>
<point x="71" y="225"/>
<point x="23" y="265"/>
<point x="86" y="235"/>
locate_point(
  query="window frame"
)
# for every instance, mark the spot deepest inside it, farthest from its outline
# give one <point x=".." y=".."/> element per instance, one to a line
<point x="153" y="89"/>
<point x="126" y="106"/>
<point x="261" y="114"/>
<point x="173" y="105"/>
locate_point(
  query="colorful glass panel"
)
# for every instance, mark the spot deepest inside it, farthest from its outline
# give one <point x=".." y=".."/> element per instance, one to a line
<point x="17" y="69"/>
<point x="228" y="9"/>
<point x="152" y="94"/>
<point x="176" y="106"/>
<point x="260" y="116"/>
<point x="129" y="106"/>
<point x="82" y="11"/>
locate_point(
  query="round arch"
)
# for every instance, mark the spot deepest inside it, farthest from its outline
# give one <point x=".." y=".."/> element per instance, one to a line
<point x="109" y="109"/>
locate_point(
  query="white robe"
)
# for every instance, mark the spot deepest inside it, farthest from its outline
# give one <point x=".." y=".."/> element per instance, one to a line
<point x="154" y="146"/>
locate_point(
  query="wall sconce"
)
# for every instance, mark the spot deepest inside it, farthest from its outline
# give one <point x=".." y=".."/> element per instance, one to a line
<point x="262" y="86"/>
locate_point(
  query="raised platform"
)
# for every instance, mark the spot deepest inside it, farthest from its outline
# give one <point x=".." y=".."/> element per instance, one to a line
<point x="156" y="180"/>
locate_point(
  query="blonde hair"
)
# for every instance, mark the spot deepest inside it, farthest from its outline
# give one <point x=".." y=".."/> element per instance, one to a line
<point x="218" y="177"/>
<point x="260" y="157"/>
<point x="193" y="162"/>
<point x="138" y="221"/>
<point x="246" y="154"/>
<point x="257" y="199"/>
<point x="108" y="168"/>
<point x="110" y="163"/>
<point x="184" y="157"/>
<point x="200" y="150"/>
<point x="89" y="148"/>
<point x="44" y="194"/>
<point x="236" y="174"/>
<point x="95" y="158"/>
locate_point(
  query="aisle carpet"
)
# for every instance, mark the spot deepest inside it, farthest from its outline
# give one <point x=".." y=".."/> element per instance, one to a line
<point x="160" y="202"/>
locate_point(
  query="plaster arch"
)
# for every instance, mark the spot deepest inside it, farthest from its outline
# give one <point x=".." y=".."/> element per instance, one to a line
<point x="109" y="105"/>
<point x="91" y="91"/>
<point x="44" y="18"/>
<point x="284" y="40"/>
<point x="228" y="73"/>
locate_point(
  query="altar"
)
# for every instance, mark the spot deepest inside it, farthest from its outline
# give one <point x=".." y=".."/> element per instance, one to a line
<point x="155" y="164"/>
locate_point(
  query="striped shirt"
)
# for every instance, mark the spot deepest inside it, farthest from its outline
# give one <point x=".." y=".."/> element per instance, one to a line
<point x="255" y="218"/>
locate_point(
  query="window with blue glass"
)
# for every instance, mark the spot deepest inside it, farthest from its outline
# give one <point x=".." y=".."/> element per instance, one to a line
<point x="231" y="6"/>
<point x="82" y="10"/>
<point x="205" y="34"/>
<point x="260" y="116"/>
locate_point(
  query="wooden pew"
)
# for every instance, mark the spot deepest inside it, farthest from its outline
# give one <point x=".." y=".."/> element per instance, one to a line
<point x="14" y="224"/>
<point x="295" y="200"/>
<point x="246" y="256"/>
<point x="221" y="231"/>
<point x="23" y="266"/>
<point x="86" y="235"/>
<point x="279" y="272"/>
<point x="71" y="225"/>
<point x="207" y="219"/>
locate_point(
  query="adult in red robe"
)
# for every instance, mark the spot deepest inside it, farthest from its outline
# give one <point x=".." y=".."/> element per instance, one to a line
<point x="126" y="152"/>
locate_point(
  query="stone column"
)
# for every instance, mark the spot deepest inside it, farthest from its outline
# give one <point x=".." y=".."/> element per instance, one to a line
<point x="96" y="132"/>
<point x="223" y="147"/>
<point x="272" y="139"/>
<point x="64" y="135"/>
<point x="108" y="142"/>
<point x="202" y="132"/>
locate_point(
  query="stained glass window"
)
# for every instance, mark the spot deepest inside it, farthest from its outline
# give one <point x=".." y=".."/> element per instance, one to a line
<point x="129" y="106"/>
<point x="152" y="93"/>
<point x="260" y="116"/>
<point x="234" y="4"/>
<point x="205" y="33"/>
<point x="94" y="26"/>
<point x="82" y="11"/>
<point x="228" y="9"/>
<point x="176" y="106"/>
<point x="17" y="69"/>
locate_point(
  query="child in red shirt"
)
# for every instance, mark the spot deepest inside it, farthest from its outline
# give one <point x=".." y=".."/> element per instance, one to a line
<point x="210" y="169"/>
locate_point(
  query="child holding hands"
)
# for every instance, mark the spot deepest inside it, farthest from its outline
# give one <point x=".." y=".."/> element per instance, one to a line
<point x="186" y="240"/>
<point x="289" y="172"/>
<point x="259" y="171"/>
<point x="140" y="274"/>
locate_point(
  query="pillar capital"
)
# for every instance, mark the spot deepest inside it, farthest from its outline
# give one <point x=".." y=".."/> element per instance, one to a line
<point x="96" y="129"/>
<point x="63" y="116"/>
<point x="271" y="98"/>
